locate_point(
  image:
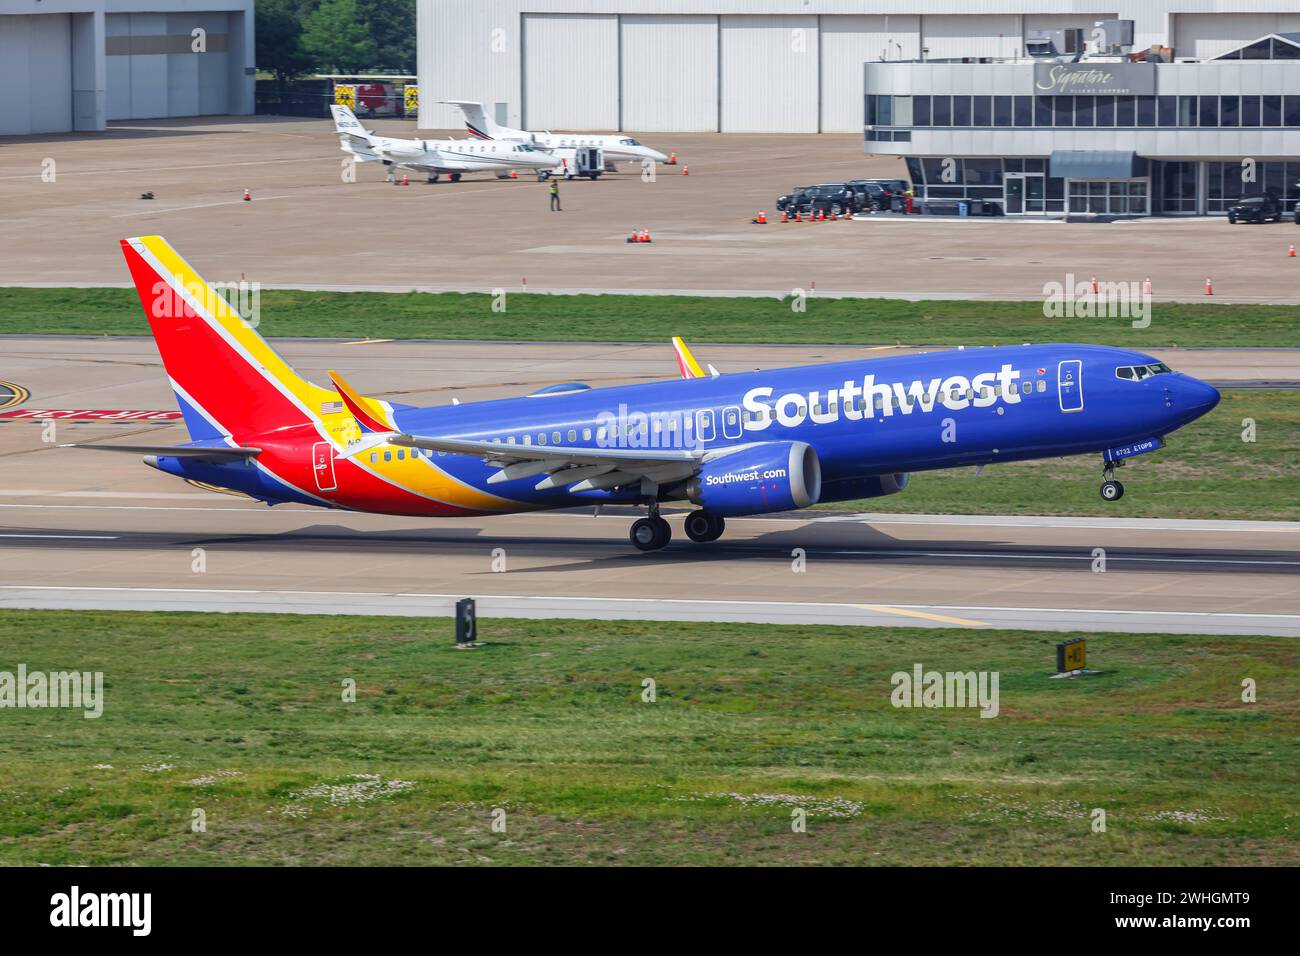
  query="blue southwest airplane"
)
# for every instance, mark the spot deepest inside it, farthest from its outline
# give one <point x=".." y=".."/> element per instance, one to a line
<point x="738" y="444"/>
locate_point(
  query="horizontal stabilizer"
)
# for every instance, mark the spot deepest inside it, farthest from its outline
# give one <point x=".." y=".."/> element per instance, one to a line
<point x="216" y="453"/>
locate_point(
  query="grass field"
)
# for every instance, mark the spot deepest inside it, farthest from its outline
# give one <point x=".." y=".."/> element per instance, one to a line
<point x="614" y="318"/>
<point x="241" y="717"/>
<point x="1206" y="471"/>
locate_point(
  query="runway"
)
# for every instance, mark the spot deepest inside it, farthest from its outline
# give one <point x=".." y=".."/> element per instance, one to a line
<point x="88" y="530"/>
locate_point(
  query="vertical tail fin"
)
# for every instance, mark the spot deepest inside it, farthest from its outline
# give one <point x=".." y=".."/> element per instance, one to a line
<point x="353" y="137"/>
<point x="477" y="121"/>
<point x="227" y="379"/>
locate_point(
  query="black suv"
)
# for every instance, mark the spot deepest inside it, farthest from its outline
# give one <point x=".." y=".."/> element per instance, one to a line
<point x="828" y="198"/>
<point x="1256" y="209"/>
<point x="876" y="193"/>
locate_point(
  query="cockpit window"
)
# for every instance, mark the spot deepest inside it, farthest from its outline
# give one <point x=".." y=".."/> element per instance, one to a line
<point x="1136" y="373"/>
<point x="629" y="142"/>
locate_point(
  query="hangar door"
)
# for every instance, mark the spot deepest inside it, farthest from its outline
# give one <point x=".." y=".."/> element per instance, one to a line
<point x="670" y="73"/>
<point x="846" y="43"/>
<point x="570" y="71"/>
<point x="35" y="73"/>
<point x="153" y="70"/>
<point x="769" y="69"/>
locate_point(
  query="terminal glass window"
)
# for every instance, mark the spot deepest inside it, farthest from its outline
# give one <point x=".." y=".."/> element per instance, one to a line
<point x="920" y="111"/>
<point x="1042" y="111"/>
<point x="1187" y="113"/>
<point x="1083" y="111"/>
<point x="1291" y="111"/>
<point x="1002" y="112"/>
<point x="1272" y="111"/>
<point x="982" y="111"/>
<point x="1167" y="110"/>
<point x="1209" y="110"/>
<point x="941" y="110"/>
<point x="1229" y="111"/>
<point x="961" y="112"/>
<point x="1024" y="111"/>
<point x="1105" y="111"/>
<point x="1125" y="111"/>
<point x="1146" y="111"/>
<point x="1250" y="111"/>
<point x="1063" y="108"/>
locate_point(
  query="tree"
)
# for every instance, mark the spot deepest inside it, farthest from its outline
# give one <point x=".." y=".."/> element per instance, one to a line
<point x="337" y="39"/>
<point x="279" y="39"/>
<point x="392" y="26"/>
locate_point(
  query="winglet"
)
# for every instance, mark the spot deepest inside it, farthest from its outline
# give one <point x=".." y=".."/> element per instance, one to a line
<point x="686" y="363"/>
<point x="371" y="415"/>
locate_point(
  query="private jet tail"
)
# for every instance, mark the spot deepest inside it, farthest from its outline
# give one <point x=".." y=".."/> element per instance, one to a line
<point x="480" y="124"/>
<point x="353" y="137"/>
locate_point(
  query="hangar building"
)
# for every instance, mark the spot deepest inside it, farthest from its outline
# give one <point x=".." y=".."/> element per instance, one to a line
<point x="781" y="66"/>
<point x="74" y="64"/>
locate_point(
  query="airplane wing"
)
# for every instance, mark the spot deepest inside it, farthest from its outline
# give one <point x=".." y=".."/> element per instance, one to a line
<point x="579" y="469"/>
<point x="214" y="453"/>
<point x="686" y="363"/>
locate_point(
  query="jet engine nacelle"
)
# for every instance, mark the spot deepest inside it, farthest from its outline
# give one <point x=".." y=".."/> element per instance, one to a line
<point x="761" y="478"/>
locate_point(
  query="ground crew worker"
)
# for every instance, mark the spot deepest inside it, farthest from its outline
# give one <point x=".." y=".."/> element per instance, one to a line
<point x="555" y="197"/>
<point x="911" y="200"/>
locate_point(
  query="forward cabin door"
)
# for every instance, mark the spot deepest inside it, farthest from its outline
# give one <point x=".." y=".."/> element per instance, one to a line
<point x="1069" y="385"/>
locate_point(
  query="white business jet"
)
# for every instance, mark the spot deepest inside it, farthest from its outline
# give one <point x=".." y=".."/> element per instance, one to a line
<point x="434" y="157"/>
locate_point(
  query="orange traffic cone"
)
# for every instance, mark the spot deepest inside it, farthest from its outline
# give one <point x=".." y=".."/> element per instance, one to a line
<point x="821" y="215"/>
<point x="406" y="180"/>
<point x="1209" y="286"/>
<point x="645" y="235"/>
<point x="247" y="196"/>
<point x="834" y="218"/>
<point x="1146" y="286"/>
<point x="686" y="170"/>
<point x="848" y="215"/>
<point x="672" y="160"/>
<point x="633" y="237"/>
<point x="762" y="219"/>
<point x="798" y="216"/>
<point x="514" y="174"/>
<point x="1092" y="285"/>
<point x="785" y="217"/>
<point x="1291" y="252"/>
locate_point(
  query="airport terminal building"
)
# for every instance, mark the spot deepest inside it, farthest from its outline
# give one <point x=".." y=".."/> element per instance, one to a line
<point x="1105" y="137"/>
<point x="74" y="64"/>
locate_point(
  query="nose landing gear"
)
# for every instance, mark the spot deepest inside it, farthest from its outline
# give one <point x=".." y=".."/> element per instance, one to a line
<point x="1111" y="489"/>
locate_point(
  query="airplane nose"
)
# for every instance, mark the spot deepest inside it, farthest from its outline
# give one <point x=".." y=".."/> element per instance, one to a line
<point x="1199" y="398"/>
<point x="657" y="156"/>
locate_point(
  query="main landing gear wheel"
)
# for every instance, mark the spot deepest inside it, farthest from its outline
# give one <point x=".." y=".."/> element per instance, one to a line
<point x="650" y="534"/>
<point x="704" y="527"/>
<point x="455" y="177"/>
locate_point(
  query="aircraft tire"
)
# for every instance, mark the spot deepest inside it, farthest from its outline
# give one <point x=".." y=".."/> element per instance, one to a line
<point x="650" y="534"/>
<point x="703" y="527"/>
<point x="1112" y="490"/>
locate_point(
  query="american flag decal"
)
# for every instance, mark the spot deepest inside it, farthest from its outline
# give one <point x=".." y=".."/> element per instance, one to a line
<point x="331" y="408"/>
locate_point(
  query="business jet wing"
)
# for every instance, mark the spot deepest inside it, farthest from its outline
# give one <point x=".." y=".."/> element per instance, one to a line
<point x="686" y="363"/>
<point x="580" y="469"/>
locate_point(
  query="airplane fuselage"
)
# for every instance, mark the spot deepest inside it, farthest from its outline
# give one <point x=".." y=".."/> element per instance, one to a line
<point x="869" y="422"/>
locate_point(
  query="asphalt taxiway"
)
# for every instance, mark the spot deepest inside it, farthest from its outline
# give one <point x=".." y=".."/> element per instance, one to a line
<point x="90" y="530"/>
